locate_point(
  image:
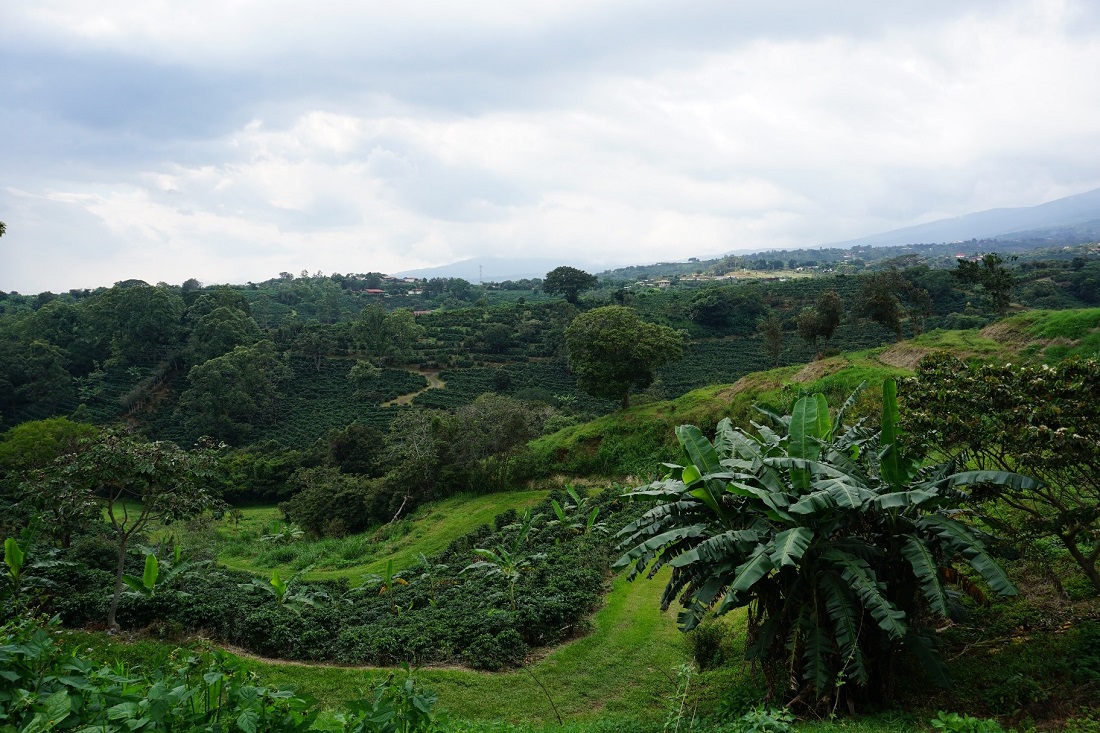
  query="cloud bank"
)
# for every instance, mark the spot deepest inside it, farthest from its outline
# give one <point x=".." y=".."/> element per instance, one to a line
<point x="230" y="141"/>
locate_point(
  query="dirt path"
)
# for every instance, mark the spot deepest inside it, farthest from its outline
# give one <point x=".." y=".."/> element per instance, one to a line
<point x="434" y="382"/>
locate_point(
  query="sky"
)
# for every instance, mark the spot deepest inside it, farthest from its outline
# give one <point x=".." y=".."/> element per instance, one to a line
<point x="231" y="140"/>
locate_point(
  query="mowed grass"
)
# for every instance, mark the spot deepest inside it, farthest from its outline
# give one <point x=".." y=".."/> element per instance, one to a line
<point x="429" y="530"/>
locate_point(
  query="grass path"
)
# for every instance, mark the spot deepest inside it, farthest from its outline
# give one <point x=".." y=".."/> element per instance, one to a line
<point x="621" y="669"/>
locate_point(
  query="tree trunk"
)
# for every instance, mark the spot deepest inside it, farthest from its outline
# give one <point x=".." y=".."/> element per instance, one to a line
<point x="112" y="625"/>
<point x="626" y="399"/>
<point x="1086" y="563"/>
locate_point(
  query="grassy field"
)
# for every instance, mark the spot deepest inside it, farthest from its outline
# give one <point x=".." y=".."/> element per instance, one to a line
<point x="429" y="530"/>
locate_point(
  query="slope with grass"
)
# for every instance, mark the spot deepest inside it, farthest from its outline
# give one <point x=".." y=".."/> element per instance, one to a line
<point x="635" y="441"/>
<point x="428" y="531"/>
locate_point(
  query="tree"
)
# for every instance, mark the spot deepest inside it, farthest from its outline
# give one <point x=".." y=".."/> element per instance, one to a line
<point x="808" y="328"/>
<point x="568" y="281"/>
<point x="612" y="350"/>
<point x="38" y="443"/>
<point x="387" y="338"/>
<point x="771" y="334"/>
<point x="1040" y="420"/>
<point x="830" y="311"/>
<point x="140" y="323"/>
<point x="831" y="535"/>
<point x="232" y="392"/>
<point x="992" y="275"/>
<point x="3" y="228"/>
<point x="138" y="482"/>
<point x="219" y="332"/>
<point x="887" y="296"/>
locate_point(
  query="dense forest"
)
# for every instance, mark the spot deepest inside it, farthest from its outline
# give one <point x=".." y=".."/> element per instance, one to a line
<point x="344" y="409"/>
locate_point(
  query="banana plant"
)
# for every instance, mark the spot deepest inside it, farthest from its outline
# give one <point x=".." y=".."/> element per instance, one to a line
<point x="284" y="591"/>
<point x="837" y="541"/>
<point x="13" y="568"/>
<point x="576" y="516"/>
<point x="508" y="561"/>
<point x="159" y="574"/>
<point x="387" y="585"/>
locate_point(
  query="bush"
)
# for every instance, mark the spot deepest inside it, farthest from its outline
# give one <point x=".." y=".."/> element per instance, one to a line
<point x="333" y="504"/>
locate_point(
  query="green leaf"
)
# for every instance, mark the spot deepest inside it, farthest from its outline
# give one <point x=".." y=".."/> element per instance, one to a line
<point x="699" y="449"/>
<point x="809" y="426"/>
<point x="13" y="557"/>
<point x="57" y="707"/>
<point x="149" y="577"/>
<point x="756" y="568"/>
<point x="690" y="475"/>
<point x="846" y="617"/>
<point x="858" y="574"/>
<point x="789" y="546"/>
<point x="927" y="573"/>
<point x="248" y="720"/>
<point x="963" y="540"/>
<point x="891" y="461"/>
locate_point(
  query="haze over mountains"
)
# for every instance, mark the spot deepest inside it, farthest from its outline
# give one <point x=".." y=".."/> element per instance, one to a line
<point x="1071" y="211"/>
<point x="1083" y="208"/>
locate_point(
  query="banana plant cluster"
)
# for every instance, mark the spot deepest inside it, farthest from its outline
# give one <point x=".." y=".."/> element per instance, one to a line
<point x="838" y="542"/>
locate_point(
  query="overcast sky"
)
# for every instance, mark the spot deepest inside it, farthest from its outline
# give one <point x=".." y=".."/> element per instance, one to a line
<point x="230" y="140"/>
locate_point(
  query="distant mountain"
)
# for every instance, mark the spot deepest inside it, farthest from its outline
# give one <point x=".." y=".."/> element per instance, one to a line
<point x="496" y="269"/>
<point x="1072" y="211"/>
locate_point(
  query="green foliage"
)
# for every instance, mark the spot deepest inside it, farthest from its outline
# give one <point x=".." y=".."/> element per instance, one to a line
<point x="229" y="393"/>
<point x="612" y="351"/>
<point x="828" y="532"/>
<point x="138" y="481"/>
<point x="955" y="723"/>
<point x="44" y="688"/>
<point x="761" y="719"/>
<point x="328" y="503"/>
<point x="992" y="275"/>
<point x="36" y="444"/>
<point x="569" y="282"/>
<point x="1040" y="420"/>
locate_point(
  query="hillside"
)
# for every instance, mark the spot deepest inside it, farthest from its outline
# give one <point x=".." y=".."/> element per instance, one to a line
<point x="635" y="441"/>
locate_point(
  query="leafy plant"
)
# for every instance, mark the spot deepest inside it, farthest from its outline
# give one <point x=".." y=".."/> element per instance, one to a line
<point x="955" y="723"/>
<point x="575" y="515"/>
<point x="762" y="719"/>
<point x="509" y="561"/>
<point x="834" y="537"/>
<point x="283" y="591"/>
<point x="396" y="707"/>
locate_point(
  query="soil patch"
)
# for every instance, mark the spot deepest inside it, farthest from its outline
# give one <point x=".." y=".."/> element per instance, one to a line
<point x="434" y="382"/>
<point x="903" y="355"/>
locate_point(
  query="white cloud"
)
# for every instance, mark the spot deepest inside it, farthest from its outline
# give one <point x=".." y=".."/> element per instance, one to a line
<point x="365" y="137"/>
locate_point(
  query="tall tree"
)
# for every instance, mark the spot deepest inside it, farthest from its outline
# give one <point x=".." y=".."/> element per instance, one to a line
<point x="771" y="335"/>
<point x="569" y="282"/>
<point x="612" y="351"/>
<point x="139" y="483"/>
<point x="232" y="392"/>
<point x="992" y="275"/>
<point x="830" y="311"/>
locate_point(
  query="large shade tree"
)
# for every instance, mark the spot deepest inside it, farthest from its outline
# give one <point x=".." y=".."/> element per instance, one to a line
<point x="569" y="282"/>
<point x="837" y="542"/>
<point x="612" y="351"/>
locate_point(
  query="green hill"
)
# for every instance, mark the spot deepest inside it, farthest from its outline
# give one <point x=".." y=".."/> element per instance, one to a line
<point x="635" y="441"/>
